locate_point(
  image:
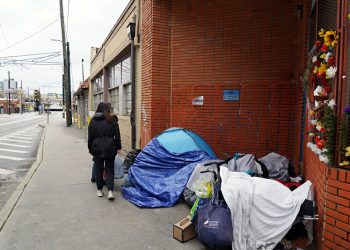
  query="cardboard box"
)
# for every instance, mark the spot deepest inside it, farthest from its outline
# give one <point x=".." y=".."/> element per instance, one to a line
<point x="184" y="230"/>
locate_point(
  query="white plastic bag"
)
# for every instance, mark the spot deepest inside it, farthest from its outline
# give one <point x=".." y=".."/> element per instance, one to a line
<point x="118" y="167"/>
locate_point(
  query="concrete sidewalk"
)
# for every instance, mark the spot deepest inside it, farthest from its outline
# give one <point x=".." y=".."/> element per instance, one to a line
<point x="56" y="207"/>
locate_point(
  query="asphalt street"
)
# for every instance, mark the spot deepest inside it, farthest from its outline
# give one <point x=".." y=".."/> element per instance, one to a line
<point x="19" y="138"/>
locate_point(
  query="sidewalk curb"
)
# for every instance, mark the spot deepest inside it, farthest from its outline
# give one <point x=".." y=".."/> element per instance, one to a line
<point x="12" y="201"/>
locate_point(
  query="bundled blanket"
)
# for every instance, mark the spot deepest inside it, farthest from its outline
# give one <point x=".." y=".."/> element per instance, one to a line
<point x="262" y="210"/>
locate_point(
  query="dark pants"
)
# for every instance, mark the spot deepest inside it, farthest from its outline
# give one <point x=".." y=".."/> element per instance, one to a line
<point x="108" y="166"/>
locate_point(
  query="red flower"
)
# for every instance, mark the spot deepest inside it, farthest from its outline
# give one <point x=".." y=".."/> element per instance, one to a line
<point x="318" y="43"/>
<point x="324" y="48"/>
<point x="318" y="63"/>
<point x="327" y="88"/>
<point x="323" y="130"/>
<point x="320" y="144"/>
<point x="331" y="60"/>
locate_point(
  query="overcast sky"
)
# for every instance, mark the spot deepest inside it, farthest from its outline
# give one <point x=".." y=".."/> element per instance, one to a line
<point x="27" y="27"/>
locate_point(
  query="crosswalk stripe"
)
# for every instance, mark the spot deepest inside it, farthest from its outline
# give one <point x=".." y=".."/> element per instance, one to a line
<point x="11" y="158"/>
<point x="6" y="172"/>
<point x="14" y="145"/>
<point x="21" y="137"/>
<point x="27" y="133"/>
<point x="6" y="139"/>
<point x="12" y="150"/>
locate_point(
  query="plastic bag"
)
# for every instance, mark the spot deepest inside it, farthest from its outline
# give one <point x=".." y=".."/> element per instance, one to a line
<point x="202" y="188"/>
<point x="118" y="167"/>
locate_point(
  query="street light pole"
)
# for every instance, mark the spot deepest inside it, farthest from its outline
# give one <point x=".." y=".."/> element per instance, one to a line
<point x="9" y="106"/>
<point x="66" y="69"/>
<point x="82" y="68"/>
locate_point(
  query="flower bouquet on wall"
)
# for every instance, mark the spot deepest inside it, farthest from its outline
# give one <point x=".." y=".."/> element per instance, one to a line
<point x="319" y="82"/>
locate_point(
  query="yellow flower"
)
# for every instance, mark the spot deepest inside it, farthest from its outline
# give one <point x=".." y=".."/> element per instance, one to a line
<point x="311" y="112"/>
<point x="322" y="69"/>
<point x="315" y="69"/>
<point x="323" y="55"/>
<point x="344" y="163"/>
<point x="330" y="38"/>
<point x="321" y="33"/>
<point x="347" y="151"/>
<point x="349" y="16"/>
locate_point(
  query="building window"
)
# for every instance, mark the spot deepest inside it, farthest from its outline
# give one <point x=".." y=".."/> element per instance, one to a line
<point x="127" y="96"/>
<point x="120" y="87"/>
<point x="97" y="84"/>
<point x="114" y="100"/>
<point x="97" y="99"/>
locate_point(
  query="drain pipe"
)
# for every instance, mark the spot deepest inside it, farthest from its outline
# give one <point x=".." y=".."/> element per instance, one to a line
<point x="131" y="34"/>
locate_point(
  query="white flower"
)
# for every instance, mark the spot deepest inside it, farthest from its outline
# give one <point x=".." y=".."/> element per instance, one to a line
<point x="314" y="122"/>
<point x="316" y="104"/>
<point x="314" y="59"/>
<point x="318" y="91"/>
<point x="327" y="56"/>
<point x="330" y="72"/>
<point x="318" y="127"/>
<point x="331" y="104"/>
<point x="314" y="148"/>
<point x="323" y="158"/>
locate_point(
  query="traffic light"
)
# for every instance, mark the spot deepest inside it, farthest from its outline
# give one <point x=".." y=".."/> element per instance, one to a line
<point x="37" y="99"/>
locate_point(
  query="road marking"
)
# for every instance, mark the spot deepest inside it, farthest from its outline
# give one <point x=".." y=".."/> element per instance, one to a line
<point x="14" y="145"/>
<point x="20" y="131"/>
<point x="21" y="120"/>
<point x="6" y="172"/>
<point x="6" y="139"/>
<point x="23" y="136"/>
<point x="11" y="158"/>
<point x="12" y="150"/>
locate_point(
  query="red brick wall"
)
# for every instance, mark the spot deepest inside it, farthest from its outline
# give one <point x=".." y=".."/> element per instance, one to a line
<point x="155" y="68"/>
<point x="337" y="210"/>
<point x="316" y="172"/>
<point x="332" y="196"/>
<point x="201" y="48"/>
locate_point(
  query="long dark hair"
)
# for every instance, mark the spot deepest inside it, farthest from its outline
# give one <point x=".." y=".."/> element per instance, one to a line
<point x="105" y="109"/>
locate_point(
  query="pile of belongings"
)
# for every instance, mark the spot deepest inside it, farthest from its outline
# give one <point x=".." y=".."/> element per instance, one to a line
<point x="241" y="202"/>
<point x="162" y="169"/>
<point x="264" y="213"/>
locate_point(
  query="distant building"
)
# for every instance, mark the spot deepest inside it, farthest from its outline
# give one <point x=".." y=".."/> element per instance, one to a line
<point x="5" y="85"/>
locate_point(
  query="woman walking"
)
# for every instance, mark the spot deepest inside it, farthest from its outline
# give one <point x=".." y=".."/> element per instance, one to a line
<point x="104" y="144"/>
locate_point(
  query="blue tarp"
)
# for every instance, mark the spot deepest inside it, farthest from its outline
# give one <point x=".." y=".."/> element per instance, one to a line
<point x="158" y="177"/>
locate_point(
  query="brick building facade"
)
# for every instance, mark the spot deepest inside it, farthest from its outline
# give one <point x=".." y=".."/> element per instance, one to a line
<point x="244" y="60"/>
<point x="257" y="48"/>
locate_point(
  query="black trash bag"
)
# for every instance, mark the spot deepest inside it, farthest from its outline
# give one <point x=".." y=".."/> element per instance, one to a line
<point x="130" y="158"/>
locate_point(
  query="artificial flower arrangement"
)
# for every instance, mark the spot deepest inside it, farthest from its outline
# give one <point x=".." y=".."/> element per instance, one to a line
<point x="318" y="81"/>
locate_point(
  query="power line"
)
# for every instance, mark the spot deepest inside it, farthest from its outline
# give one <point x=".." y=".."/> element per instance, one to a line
<point x="28" y="36"/>
<point x="34" y="54"/>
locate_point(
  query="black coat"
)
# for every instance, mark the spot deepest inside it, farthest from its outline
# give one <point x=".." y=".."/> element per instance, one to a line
<point x="103" y="137"/>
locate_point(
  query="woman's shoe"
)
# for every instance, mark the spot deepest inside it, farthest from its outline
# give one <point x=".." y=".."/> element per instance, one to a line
<point x="110" y="195"/>
<point x="99" y="193"/>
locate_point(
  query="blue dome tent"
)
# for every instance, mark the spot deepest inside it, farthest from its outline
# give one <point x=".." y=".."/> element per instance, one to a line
<point x="161" y="170"/>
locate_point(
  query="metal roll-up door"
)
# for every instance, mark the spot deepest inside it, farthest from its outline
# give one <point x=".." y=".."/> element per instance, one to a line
<point x="327" y="14"/>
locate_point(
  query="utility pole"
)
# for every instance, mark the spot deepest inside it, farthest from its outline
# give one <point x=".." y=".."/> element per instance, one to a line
<point x="66" y="69"/>
<point x="82" y="68"/>
<point x="9" y="106"/>
<point x="69" y="99"/>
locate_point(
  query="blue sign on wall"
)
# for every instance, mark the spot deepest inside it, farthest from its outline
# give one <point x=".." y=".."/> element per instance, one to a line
<point x="231" y="95"/>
